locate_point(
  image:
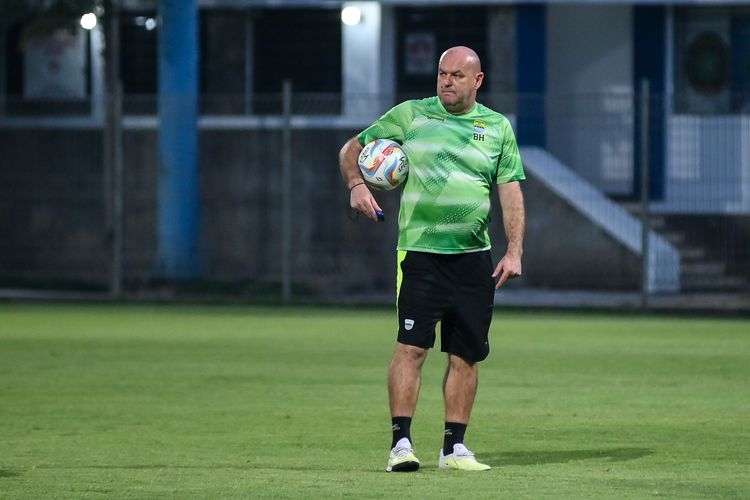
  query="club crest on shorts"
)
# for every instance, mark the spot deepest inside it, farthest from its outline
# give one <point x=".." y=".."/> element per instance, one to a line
<point x="408" y="324"/>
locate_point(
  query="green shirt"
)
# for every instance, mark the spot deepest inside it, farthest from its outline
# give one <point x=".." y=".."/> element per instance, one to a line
<point x="453" y="162"/>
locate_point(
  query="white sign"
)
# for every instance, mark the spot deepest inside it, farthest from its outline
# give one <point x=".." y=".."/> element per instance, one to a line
<point x="55" y="66"/>
<point x="420" y="54"/>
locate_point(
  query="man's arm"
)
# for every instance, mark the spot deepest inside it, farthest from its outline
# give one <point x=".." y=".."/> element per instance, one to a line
<point x="514" y="220"/>
<point x="360" y="197"/>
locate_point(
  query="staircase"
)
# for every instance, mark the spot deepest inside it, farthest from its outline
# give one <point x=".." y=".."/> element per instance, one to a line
<point x="699" y="271"/>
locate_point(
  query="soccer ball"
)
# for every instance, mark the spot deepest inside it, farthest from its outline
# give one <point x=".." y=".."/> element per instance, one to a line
<point x="383" y="164"/>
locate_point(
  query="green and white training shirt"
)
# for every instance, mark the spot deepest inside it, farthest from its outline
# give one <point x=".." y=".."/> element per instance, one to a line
<point x="453" y="162"/>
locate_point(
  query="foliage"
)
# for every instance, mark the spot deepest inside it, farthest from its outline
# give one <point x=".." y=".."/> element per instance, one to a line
<point x="42" y="17"/>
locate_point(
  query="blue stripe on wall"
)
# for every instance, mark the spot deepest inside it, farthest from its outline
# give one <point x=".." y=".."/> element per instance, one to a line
<point x="741" y="61"/>
<point x="649" y="41"/>
<point x="531" y="63"/>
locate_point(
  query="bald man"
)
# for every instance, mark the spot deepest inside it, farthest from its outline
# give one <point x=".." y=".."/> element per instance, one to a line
<point x="457" y="149"/>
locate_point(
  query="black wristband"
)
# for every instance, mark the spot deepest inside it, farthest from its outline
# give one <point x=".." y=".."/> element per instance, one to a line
<point x="358" y="184"/>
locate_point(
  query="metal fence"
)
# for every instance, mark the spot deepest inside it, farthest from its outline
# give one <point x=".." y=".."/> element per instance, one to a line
<point x="585" y="194"/>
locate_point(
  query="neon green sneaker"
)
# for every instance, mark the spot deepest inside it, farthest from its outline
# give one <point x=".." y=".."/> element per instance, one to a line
<point x="460" y="459"/>
<point x="402" y="458"/>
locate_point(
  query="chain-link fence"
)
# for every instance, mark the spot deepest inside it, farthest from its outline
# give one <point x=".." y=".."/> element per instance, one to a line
<point x="584" y="156"/>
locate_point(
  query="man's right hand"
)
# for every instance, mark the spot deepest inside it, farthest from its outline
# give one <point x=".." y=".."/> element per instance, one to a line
<point x="362" y="200"/>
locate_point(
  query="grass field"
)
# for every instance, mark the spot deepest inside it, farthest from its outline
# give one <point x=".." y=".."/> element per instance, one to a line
<point x="104" y="401"/>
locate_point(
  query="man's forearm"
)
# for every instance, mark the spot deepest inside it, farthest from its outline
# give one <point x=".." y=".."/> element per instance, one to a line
<point x="514" y="216"/>
<point x="348" y="162"/>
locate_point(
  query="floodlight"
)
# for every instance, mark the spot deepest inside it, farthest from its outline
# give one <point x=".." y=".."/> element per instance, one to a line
<point x="351" y="15"/>
<point x="88" y="21"/>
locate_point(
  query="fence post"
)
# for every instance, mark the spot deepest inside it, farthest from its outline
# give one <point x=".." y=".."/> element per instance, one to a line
<point x="117" y="193"/>
<point x="112" y="130"/>
<point x="249" y="49"/>
<point x="3" y="76"/>
<point x="286" y="194"/>
<point x="645" y="216"/>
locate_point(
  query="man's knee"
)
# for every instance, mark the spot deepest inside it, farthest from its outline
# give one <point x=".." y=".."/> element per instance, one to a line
<point x="459" y="364"/>
<point x="410" y="354"/>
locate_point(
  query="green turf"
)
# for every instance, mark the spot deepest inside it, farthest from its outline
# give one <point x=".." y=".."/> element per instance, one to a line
<point x="232" y="402"/>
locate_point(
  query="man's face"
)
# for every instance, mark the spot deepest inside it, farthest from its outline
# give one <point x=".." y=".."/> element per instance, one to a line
<point x="457" y="82"/>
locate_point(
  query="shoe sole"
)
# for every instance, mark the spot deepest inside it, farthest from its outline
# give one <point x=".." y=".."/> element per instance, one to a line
<point x="464" y="470"/>
<point x="449" y="467"/>
<point x="405" y="467"/>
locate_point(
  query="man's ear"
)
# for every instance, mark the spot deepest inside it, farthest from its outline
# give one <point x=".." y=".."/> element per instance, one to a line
<point x="480" y="79"/>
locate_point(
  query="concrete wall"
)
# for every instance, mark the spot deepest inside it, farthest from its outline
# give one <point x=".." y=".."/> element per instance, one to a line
<point x="53" y="218"/>
<point x="563" y="249"/>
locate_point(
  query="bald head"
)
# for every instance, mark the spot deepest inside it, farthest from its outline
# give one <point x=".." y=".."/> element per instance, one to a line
<point x="465" y="55"/>
<point x="459" y="77"/>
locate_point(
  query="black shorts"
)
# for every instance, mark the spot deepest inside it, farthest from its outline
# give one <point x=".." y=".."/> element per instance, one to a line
<point x="455" y="289"/>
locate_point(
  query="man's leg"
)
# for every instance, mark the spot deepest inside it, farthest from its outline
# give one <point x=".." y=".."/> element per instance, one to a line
<point x="459" y="389"/>
<point x="403" y="390"/>
<point x="404" y="378"/>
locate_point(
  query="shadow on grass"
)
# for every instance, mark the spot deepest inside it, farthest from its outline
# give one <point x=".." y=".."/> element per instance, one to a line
<point x="8" y="473"/>
<point x="563" y="456"/>
<point x="494" y="459"/>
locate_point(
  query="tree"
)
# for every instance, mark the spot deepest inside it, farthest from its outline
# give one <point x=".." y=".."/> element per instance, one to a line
<point x="42" y="17"/>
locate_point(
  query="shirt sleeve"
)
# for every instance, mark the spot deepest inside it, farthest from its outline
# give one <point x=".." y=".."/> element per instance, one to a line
<point x="509" y="167"/>
<point x="392" y="125"/>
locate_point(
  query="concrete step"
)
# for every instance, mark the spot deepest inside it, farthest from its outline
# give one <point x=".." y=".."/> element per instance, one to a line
<point x="705" y="282"/>
<point x="676" y="238"/>
<point x="690" y="254"/>
<point x="696" y="272"/>
<point x="706" y="267"/>
<point x="657" y="222"/>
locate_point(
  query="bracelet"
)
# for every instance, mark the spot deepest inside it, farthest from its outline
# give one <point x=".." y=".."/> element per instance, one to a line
<point x="358" y="184"/>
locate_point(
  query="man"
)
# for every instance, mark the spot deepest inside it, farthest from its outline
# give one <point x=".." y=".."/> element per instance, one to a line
<point x="457" y="148"/>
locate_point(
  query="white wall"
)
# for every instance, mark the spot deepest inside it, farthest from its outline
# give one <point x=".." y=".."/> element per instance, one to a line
<point x="708" y="165"/>
<point x="589" y="87"/>
<point x="368" y="61"/>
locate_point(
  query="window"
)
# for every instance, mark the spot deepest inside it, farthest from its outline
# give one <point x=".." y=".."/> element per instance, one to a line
<point x="224" y="64"/>
<point x="424" y="33"/>
<point x="245" y="56"/>
<point x="303" y="45"/>
<point x="139" y="70"/>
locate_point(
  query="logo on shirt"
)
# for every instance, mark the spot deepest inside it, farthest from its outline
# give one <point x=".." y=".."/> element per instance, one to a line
<point x="479" y="130"/>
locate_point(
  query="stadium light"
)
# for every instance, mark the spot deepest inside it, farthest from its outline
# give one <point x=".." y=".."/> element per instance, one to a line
<point x="351" y="15"/>
<point x="88" y="21"/>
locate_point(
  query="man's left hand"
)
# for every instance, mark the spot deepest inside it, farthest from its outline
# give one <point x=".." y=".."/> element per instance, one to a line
<point x="509" y="267"/>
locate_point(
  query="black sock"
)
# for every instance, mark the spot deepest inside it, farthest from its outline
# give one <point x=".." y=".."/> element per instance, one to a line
<point x="454" y="433"/>
<point x="401" y="429"/>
